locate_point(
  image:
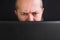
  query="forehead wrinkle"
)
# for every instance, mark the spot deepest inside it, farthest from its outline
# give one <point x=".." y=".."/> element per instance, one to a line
<point x="29" y="10"/>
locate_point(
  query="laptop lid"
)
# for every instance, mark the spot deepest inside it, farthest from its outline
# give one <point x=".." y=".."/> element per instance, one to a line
<point x="47" y="30"/>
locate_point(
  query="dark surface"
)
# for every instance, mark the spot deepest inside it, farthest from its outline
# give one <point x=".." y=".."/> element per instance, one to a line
<point x="30" y="30"/>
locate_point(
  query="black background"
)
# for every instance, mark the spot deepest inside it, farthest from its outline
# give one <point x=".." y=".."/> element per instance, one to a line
<point x="51" y="13"/>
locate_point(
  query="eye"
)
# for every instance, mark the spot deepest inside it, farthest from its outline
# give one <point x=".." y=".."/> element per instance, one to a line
<point x="34" y="13"/>
<point x="24" y="14"/>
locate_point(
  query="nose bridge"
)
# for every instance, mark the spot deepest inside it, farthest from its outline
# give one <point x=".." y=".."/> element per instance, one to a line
<point x="30" y="17"/>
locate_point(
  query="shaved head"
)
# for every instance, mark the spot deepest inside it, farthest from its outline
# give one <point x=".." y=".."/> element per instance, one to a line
<point x="21" y="3"/>
<point x="29" y="10"/>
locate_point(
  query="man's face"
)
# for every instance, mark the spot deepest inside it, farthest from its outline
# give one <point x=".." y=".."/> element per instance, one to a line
<point x="29" y="10"/>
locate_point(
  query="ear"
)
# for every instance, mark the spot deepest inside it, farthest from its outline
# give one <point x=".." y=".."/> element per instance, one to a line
<point x="42" y="10"/>
<point x="15" y="12"/>
<point x="42" y="14"/>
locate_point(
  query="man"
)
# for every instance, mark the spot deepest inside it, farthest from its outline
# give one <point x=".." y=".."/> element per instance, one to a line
<point x="29" y="10"/>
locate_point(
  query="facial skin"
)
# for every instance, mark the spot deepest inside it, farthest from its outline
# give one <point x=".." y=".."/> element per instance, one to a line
<point x="29" y="10"/>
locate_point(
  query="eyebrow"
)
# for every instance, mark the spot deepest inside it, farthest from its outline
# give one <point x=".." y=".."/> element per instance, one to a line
<point x="31" y="12"/>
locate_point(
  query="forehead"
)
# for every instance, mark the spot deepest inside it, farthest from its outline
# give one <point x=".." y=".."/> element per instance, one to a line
<point x="26" y="5"/>
<point x="29" y="1"/>
<point x="29" y="9"/>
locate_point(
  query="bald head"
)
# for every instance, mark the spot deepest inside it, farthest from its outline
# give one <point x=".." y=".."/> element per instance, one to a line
<point x="28" y="8"/>
<point x="26" y="3"/>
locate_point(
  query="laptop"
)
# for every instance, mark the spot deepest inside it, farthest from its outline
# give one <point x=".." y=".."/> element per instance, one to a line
<point x="46" y="30"/>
